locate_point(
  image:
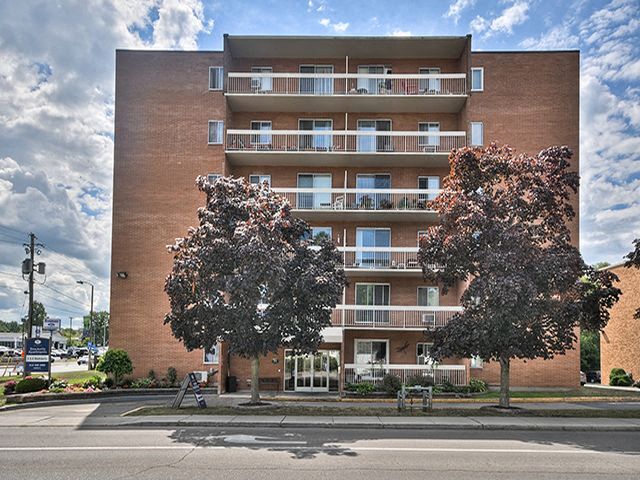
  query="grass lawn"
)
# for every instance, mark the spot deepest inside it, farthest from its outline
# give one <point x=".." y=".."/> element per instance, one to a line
<point x="376" y="411"/>
<point x="580" y="392"/>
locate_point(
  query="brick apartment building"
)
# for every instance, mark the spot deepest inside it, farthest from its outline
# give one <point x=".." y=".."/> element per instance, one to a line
<point x="355" y="132"/>
<point x="620" y="340"/>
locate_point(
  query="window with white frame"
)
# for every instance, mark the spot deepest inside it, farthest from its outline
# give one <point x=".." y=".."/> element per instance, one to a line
<point x="318" y="233"/>
<point x="216" y="132"/>
<point x="431" y="183"/>
<point x="430" y="142"/>
<point x="262" y="83"/>
<point x="476" y="362"/>
<point x="212" y="355"/>
<point x="212" y="177"/>
<point x="431" y="85"/>
<point x="477" y="79"/>
<point x="262" y="138"/>
<point x="421" y="233"/>
<point x="371" y="352"/>
<point x="216" y="78"/>
<point x="423" y="353"/>
<point x="428" y="296"/>
<point x="260" y="179"/>
<point x="477" y="134"/>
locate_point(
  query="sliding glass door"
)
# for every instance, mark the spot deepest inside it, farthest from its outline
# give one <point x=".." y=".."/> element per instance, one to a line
<point x="367" y="238"/>
<point x="310" y="200"/>
<point x="374" y="143"/>
<point x="316" y="86"/>
<point x="371" y="294"/>
<point x="318" y="141"/>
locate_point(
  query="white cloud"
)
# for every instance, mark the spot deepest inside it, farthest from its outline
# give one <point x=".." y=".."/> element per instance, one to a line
<point x="324" y="22"/>
<point x="401" y="33"/>
<point x="338" y="27"/>
<point x="56" y="126"/>
<point x="512" y="16"/>
<point x="456" y="8"/>
<point x="557" y="38"/>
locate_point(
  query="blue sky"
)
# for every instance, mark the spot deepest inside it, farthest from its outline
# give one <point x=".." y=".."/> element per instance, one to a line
<point x="57" y="97"/>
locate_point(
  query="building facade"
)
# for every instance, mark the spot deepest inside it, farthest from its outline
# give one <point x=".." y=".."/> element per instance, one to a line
<point x="620" y="340"/>
<point x="355" y="132"/>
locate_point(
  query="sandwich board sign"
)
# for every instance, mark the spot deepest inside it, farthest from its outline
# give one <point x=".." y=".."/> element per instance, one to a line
<point x="37" y="355"/>
<point x="190" y="380"/>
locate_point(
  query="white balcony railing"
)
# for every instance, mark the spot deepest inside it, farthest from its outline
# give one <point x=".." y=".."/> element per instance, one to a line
<point x="437" y="373"/>
<point x="328" y="84"/>
<point x="353" y="141"/>
<point x="380" y="258"/>
<point x="349" y="199"/>
<point x="392" y="316"/>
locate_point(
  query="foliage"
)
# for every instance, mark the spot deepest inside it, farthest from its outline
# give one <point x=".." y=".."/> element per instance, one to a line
<point x="172" y="376"/>
<point x="422" y="380"/>
<point x="365" y="388"/>
<point x="31" y="384"/>
<point x="93" y="382"/>
<point x="39" y="314"/>
<point x="633" y="260"/>
<point x="144" y="382"/>
<point x="58" y="385"/>
<point x="115" y="362"/>
<point x="10" y="387"/>
<point x="246" y="276"/>
<point x="505" y="228"/>
<point x="620" y="378"/>
<point x="152" y="375"/>
<point x="589" y="350"/>
<point x="100" y="325"/>
<point x="478" y="386"/>
<point x="108" y="382"/>
<point x="391" y="384"/>
<point x="13" y="327"/>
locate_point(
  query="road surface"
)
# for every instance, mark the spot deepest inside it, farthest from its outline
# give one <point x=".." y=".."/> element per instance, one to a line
<point x="254" y="453"/>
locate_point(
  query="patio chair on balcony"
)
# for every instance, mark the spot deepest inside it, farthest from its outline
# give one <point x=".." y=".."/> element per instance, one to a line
<point x="338" y="203"/>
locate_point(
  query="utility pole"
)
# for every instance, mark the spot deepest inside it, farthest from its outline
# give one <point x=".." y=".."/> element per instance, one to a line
<point x="92" y="334"/>
<point x="29" y="268"/>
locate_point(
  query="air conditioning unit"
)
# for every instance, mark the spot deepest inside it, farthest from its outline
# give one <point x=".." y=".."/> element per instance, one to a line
<point x="429" y="319"/>
<point x="202" y="376"/>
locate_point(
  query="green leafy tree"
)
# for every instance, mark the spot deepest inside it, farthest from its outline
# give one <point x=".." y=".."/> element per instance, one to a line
<point x="39" y="314"/>
<point x="100" y="326"/>
<point x="12" y="327"/>
<point x="589" y="350"/>
<point x="505" y="228"/>
<point x="633" y="261"/>
<point x="115" y="362"/>
<point x="247" y="277"/>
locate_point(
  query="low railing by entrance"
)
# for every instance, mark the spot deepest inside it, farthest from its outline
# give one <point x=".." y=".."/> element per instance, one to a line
<point x="392" y="316"/>
<point x="436" y="373"/>
<point x="346" y="199"/>
<point x="330" y="84"/>
<point x="380" y="258"/>
<point x="343" y="141"/>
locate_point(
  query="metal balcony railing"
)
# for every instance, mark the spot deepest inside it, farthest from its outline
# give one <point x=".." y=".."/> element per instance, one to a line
<point x="351" y="141"/>
<point x="374" y="373"/>
<point x="392" y="316"/>
<point x="329" y="84"/>
<point x="380" y="258"/>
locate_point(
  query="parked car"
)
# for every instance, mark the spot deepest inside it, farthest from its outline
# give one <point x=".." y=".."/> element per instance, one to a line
<point x="583" y="378"/>
<point x="83" y="360"/>
<point x="594" y="376"/>
<point x="8" y="352"/>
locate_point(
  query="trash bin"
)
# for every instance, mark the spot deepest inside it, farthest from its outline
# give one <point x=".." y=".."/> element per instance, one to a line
<point x="232" y="384"/>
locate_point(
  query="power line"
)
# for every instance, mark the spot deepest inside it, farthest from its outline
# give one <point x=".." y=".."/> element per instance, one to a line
<point x="14" y="231"/>
<point x="64" y="294"/>
<point x="54" y="299"/>
<point x="69" y="312"/>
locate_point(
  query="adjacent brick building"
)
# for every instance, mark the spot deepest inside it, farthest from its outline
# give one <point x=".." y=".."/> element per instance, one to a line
<point x="620" y="340"/>
<point x="355" y="132"/>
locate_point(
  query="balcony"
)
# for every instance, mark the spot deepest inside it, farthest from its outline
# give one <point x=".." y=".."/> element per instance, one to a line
<point x="327" y="204"/>
<point x="456" y="374"/>
<point x="391" y="317"/>
<point x="365" y="261"/>
<point x="351" y="92"/>
<point x="341" y="148"/>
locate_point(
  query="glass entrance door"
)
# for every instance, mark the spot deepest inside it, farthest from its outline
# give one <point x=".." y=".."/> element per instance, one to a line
<point x="312" y="372"/>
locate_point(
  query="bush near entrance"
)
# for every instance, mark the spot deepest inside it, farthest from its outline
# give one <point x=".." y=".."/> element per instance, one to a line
<point x="115" y="362"/>
<point x="619" y="378"/>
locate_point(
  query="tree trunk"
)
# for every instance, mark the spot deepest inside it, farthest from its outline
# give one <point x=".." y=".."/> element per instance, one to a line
<point x="504" y="382"/>
<point x="255" y="371"/>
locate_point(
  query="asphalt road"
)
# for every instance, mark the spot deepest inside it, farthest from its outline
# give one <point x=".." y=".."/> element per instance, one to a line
<point x="230" y="454"/>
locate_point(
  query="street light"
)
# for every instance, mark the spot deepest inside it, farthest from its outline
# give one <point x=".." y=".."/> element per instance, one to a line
<point x="91" y="332"/>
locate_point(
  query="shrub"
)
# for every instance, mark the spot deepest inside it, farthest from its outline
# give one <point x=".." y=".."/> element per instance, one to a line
<point x="58" y="385"/>
<point x="391" y="384"/>
<point x="93" y="382"/>
<point x="152" y="375"/>
<point x="115" y="362"/>
<point x="616" y="372"/>
<point x="619" y="378"/>
<point x="31" y="384"/>
<point x="478" y="386"/>
<point x="365" y="388"/>
<point x="108" y="382"/>
<point x="10" y="387"/>
<point x="422" y="380"/>
<point x="144" y="382"/>
<point x="172" y="376"/>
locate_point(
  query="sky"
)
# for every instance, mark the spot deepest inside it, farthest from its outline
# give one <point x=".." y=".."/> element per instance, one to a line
<point x="57" y="105"/>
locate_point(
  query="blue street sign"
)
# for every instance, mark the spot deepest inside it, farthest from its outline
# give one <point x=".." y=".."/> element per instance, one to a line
<point x="37" y="355"/>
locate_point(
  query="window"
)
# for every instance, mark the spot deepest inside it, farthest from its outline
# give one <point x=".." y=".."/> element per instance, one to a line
<point x="314" y="85"/>
<point x="477" y="134"/>
<point x="423" y="354"/>
<point x="374" y="142"/>
<point x="428" y="296"/>
<point x="216" y="132"/>
<point x="369" y="352"/>
<point x="430" y="143"/>
<point x="430" y="183"/>
<point x="261" y="83"/>
<point x="263" y="138"/>
<point x="368" y="238"/>
<point x="430" y="85"/>
<point x="216" y="78"/>
<point x="316" y="141"/>
<point x="371" y="294"/>
<point x="320" y="232"/>
<point x="476" y="362"/>
<point x="212" y="177"/>
<point x="372" y="200"/>
<point x="260" y="179"/>
<point x="212" y="355"/>
<point x="311" y="200"/>
<point x="477" y="79"/>
<point x="374" y="82"/>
